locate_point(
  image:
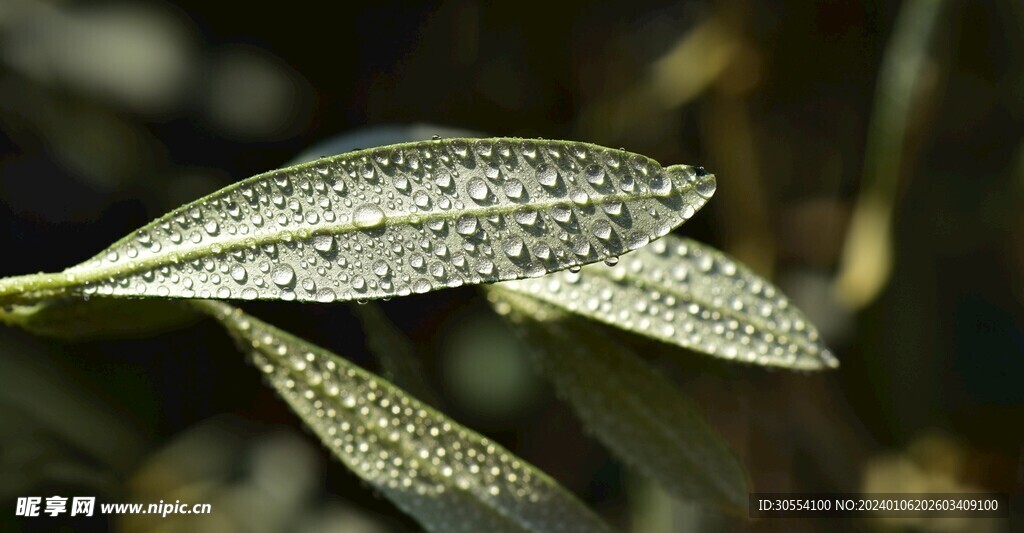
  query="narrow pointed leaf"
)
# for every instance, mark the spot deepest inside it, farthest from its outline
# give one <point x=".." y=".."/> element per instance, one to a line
<point x="635" y="411"/>
<point x="395" y="220"/>
<point x="446" y="476"/>
<point x="395" y="352"/>
<point x="691" y="295"/>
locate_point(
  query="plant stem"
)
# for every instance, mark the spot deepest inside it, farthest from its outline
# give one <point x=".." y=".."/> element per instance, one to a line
<point x="32" y="288"/>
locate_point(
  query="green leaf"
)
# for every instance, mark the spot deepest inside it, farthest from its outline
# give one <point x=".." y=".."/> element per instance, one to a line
<point x="395" y="352"/>
<point x="443" y="474"/>
<point x="98" y="318"/>
<point x="688" y="294"/>
<point x="635" y="411"/>
<point x="392" y="221"/>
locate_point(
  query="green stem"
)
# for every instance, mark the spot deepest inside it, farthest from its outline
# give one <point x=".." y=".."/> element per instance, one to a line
<point x="33" y="288"/>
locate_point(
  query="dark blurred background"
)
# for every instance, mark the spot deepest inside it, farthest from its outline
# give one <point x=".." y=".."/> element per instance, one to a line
<point x="870" y="160"/>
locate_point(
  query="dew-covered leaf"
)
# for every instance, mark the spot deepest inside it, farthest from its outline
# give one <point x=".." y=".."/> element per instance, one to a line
<point x="395" y="352"/>
<point x="396" y="220"/>
<point x="635" y="411"/>
<point x="446" y="476"/>
<point x="691" y="295"/>
<point x="98" y="318"/>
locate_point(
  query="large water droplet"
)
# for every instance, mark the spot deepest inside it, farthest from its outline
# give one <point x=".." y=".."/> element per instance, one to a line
<point x="323" y="243"/>
<point x="282" y="275"/>
<point x="637" y="240"/>
<point x="485" y="267"/>
<point x="547" y="176"/>
<point x="705" y="183"/>
<point x="513" y="189"/>
<point x="367" y="216"/>
<point x="561" y="213"/>
<point x="526" y="217"/>
<point x="513" y="246"/>
<point x="478" y="189"/>
<point x="420" y="286"/>
<point x="443" y="180"/>
<point x="581" y="247"/>
<point x="661" y="185"/>
<point x="465" y="225"/>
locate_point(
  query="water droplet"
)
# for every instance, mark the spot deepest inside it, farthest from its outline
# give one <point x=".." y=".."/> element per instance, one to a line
<point x="595" y="175"/>
<point x="323" y="243"/>
<point x="465" y="225"/>
<point x="613" y="208"/>
<point x="579" y="196"/>
<point x="561" y="213"/>
<point x="477" y="189"/>
<point x="513" y="246"/>
<point x="368" y="216"/>
<point x="637" y="240"/>
<point x="485" y="267"/>
<point x="238" y="273"/>
<point x="526" y="217"/>
<point x="581" y="247"/>
<point x="534" y="269"/>
<point x="547" y="176"/>
<point x="513" y="189"/>
<point x="282" y="275"/>
<point x="705" y="183"/>
<point x="602" y="229"/>
<point x="367" y="172"/>
<point x="443" y="180"/>
<point x="420" y="286"/>
<point x="661" y="185"/>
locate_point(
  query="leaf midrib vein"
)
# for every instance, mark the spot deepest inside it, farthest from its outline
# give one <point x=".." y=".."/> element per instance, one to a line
<point x="86" y="272"/>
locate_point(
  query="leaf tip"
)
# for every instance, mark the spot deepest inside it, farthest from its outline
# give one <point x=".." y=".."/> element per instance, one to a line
<point x="702" y="181"/>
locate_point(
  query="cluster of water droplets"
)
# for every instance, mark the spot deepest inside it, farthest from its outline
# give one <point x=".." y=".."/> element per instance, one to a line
<point x="683" y="292"/>
<point x="404" y="219"/>
<point x="450" y="478"/>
